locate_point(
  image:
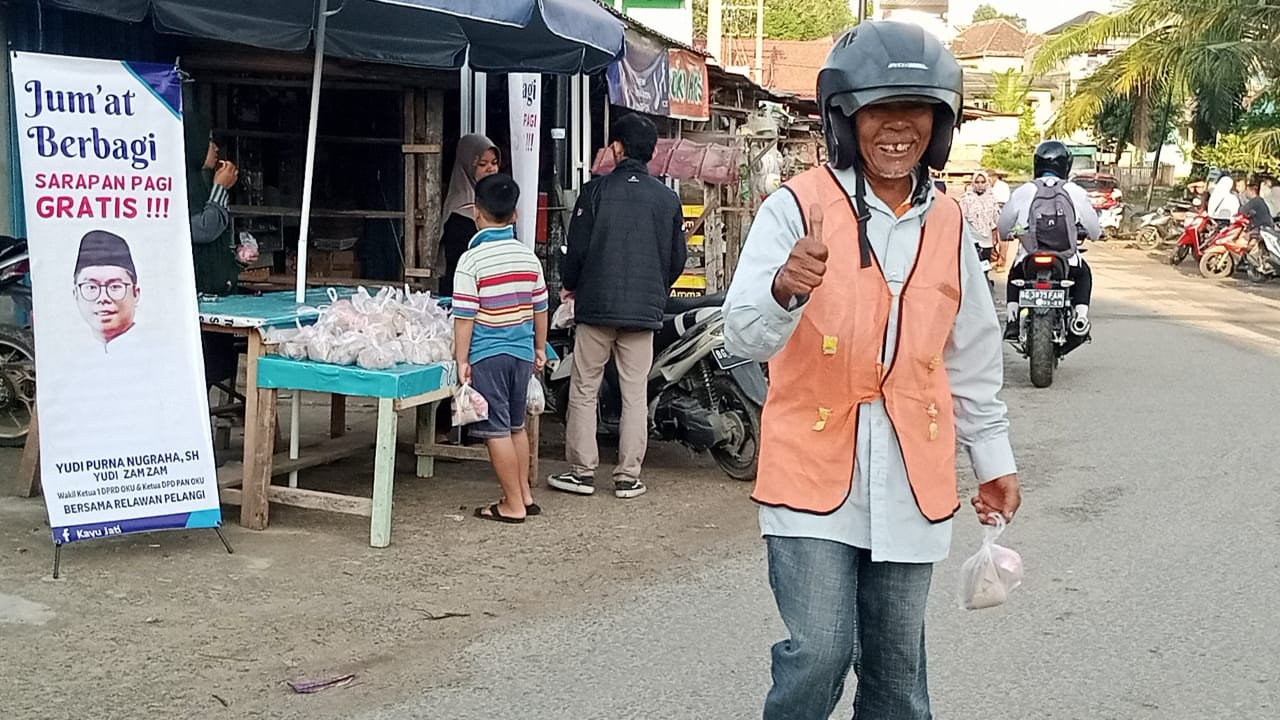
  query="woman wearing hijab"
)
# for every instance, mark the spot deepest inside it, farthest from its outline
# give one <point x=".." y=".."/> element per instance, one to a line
<point x="477" y="158"/>
<point x="1224" y="203"/>
<point x="981" y="212"/>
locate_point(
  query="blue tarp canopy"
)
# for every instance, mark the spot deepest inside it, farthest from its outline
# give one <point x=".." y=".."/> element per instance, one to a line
<point x="549" y="36"/>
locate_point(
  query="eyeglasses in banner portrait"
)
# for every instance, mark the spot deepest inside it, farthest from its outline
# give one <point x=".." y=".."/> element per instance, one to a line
<point x="125" y="443"/>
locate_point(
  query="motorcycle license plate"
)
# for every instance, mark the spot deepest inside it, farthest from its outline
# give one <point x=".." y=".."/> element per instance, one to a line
<point x="1043" y="298"/>
<point x="727" y="361"/>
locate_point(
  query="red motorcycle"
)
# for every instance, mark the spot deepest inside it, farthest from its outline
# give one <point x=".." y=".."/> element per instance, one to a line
<point x="1227" y="248"/>
<point x="1195" y="236"/>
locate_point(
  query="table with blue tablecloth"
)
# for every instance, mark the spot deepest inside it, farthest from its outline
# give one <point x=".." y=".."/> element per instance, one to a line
<point x="403" y="387"/>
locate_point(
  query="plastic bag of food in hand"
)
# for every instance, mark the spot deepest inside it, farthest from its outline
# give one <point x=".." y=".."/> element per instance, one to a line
<point x="563" y="316"/>
<point x="987" y="578"/>
<point x="469" y="406"/>
<point x="537" y="402"/>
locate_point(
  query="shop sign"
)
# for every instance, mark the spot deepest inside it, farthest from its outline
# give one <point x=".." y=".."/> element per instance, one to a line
<point x="690" y="98"/>
<point x="125" y="442"/>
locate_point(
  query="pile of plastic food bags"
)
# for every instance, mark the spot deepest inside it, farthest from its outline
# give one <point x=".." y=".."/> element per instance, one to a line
<point x="374" y="332"/>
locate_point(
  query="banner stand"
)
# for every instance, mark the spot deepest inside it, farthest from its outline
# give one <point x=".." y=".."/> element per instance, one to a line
<point x="57" y="551"/>
<point x="29" y="479"/>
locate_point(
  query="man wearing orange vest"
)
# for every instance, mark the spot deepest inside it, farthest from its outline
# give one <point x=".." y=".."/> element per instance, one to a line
<point x="884" y="353"/>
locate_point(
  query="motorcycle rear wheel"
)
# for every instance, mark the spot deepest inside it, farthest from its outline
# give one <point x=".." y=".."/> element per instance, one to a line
<point x="1217" y="264"/>
<point x="737" y="458"/>
<point x="1040" y="349"/>
<point x="1148" y="238"/>
<point x="17" y="386"/>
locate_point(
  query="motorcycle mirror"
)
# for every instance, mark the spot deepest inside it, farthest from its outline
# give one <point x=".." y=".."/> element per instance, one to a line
<point x="1197" y="202"/>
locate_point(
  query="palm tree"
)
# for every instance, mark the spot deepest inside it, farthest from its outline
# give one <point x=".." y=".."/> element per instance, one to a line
<point x="1010" y="92"/>
<point x="1205" y="53"/>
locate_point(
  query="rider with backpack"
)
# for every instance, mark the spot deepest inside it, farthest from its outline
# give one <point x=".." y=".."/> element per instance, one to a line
<point x="1048" y="213"/>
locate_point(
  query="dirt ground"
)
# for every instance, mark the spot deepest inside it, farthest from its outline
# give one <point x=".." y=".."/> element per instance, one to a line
<point x="170" y="625"/>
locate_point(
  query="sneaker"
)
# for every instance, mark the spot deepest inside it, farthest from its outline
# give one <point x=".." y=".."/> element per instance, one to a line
<point x="1011" y="331"/>
<point x="628" y="488"/>
<point x="571" y="483"/>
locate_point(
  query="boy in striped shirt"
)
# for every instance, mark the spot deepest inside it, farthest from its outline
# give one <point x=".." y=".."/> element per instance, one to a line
<point x="500" y="336"/>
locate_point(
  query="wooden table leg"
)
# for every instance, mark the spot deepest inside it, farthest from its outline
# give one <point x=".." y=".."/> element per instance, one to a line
<point x="426" y="424"/>
<point x="534" y="425"/>
<point x="257" y="469"/>
<point x="251" y="406"/>
<point x="28" y="481"/>
<point x="337" y="416"/>
<point x="384" y="473"/>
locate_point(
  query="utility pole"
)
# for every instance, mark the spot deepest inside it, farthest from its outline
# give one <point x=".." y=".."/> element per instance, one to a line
<point x="760" y="42"/>
<point x="715" y="29"/>
<point x="862" y="11"/>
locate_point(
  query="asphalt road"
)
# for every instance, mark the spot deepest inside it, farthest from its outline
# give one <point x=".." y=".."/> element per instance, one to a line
<point x="1150" y="532"/>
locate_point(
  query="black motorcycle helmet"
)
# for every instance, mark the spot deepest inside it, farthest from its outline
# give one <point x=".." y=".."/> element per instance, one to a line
<point x="886" y="61"/>
<point x="881" y="62"/>
<point x="1053" y="158"/>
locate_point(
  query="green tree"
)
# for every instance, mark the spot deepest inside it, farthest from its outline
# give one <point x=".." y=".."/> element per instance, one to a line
<point x="1201" y="55"/>
<point x="986" y="12"/>
<point x="1015" y="156"/>
<point x="783" y="19"/>
<point x="1009" y="92"/>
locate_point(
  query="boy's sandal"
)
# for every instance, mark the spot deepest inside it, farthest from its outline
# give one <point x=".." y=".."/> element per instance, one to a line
<point x="533" y="509"/>
<point x="496" y="516"/>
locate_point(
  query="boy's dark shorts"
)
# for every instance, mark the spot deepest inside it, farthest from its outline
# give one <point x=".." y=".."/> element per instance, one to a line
<point x="503" y="381"/>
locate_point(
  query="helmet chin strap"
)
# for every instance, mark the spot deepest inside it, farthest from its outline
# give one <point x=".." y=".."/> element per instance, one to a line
<point x="864" y="212"/>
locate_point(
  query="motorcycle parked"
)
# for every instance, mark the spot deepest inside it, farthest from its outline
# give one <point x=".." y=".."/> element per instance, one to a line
<point x="699" y="394"/>
<point x="1226" y="249"/>
<point x="1155" y="229"/>
<point x="1112" y="219"/>
<point x="1048" y="327"/>
<point x="1262" y="262"/>
<point x="1195" y="236"/>
<point x="17" y="348"/>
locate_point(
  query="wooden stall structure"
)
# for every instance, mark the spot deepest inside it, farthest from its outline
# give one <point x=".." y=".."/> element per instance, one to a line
<point x="376" y="204"/>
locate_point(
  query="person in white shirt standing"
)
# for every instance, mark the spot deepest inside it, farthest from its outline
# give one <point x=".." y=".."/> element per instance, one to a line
<point x="884" y="355"/>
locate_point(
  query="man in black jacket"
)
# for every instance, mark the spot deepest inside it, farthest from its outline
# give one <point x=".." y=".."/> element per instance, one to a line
<point x="626" y="249"/>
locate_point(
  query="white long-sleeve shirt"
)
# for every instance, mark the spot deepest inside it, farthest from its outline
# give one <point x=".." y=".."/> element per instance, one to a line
<point x="881" y="513"/>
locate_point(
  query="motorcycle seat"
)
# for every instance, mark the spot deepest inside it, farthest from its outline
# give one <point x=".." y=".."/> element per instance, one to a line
<point x="681" y="305"/>
<point x="10" y="246"/>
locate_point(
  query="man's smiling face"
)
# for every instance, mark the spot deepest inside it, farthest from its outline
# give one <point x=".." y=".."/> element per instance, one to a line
<point x="893" y="137"/>
<point x="107" y="296"/>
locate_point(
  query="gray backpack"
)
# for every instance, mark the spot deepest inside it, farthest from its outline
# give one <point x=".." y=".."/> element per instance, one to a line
<point x="1051" y="218"/>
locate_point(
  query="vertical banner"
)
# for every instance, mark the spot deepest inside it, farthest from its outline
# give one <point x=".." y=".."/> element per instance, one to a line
<point x="639" y="80"/>
<point x="689" y="86"/>
<point x="125" y="440"/>
<point x="524" y="92"/>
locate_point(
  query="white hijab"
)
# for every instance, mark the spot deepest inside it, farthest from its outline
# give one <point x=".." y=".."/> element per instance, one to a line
<point x="1223" y="202"/>
<point x="462" y="182"/>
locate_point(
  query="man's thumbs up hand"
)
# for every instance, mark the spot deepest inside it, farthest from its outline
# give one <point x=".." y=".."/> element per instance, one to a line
<point x="802" y="274"/>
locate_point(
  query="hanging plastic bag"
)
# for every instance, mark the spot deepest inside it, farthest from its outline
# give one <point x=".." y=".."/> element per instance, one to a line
<point x="469" y="406"/>
<point x="563" y="316"/>
<point x="987" y="578"/>
<point x="537" y="402"/>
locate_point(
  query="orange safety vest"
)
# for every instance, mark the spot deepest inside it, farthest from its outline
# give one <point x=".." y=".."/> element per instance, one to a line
<point x="833" y="364"/>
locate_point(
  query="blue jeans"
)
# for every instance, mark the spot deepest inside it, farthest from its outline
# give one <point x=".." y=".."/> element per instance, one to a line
<point x="844" y="611"/>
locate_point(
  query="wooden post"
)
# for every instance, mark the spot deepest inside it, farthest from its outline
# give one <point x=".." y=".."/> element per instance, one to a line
<point x="426" y="424"/>
<point x="251" y="407"/>
<point x="430" y="125"/>
<point x="411" y="228"/>
<point x="713" y="239"/>
<point x="384" y="473"/>
<point x="337" y="416"/>
<point x="28" y="481"/>
<point x="257" y="469"/>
